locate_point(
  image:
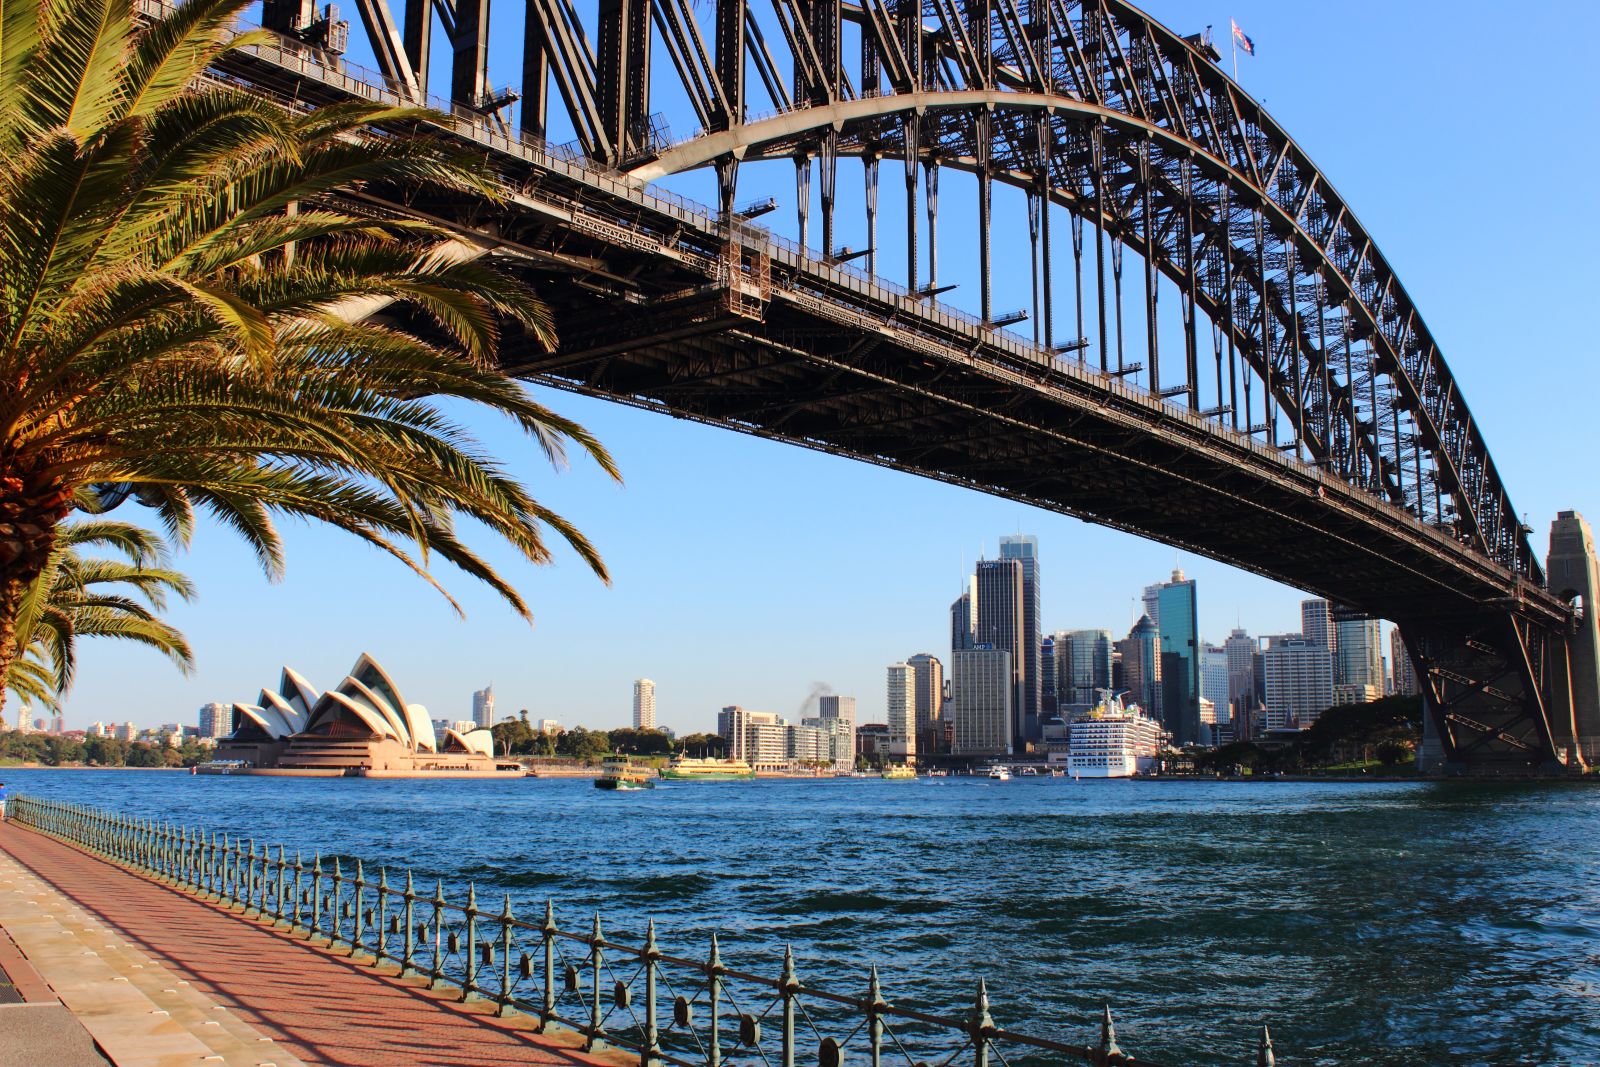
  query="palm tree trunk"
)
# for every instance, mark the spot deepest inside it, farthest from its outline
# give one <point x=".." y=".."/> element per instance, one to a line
<point x="31" y="507"/>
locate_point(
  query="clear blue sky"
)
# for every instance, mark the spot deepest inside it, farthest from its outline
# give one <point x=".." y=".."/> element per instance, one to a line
<point x="747" y="571"/>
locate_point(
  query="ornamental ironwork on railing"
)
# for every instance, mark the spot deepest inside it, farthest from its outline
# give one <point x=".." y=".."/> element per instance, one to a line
<point x="668" y="1009"/>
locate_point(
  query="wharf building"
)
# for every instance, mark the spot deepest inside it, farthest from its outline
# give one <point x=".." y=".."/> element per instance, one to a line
<point x="769" y="742"/>
<point x="901" y="711"/>
<point x="983" y="685"/>
<point x="837" y="743"/>
<point x="1299" y="677"/>
<point x="1024" y="548"/>
<point x="644" y="704"/>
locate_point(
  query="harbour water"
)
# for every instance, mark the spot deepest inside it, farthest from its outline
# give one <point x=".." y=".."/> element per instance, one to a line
<point x="1367" y="923"/>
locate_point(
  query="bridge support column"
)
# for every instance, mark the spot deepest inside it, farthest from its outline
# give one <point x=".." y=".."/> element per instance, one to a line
<point x="1573" y="575"/>
<point x="1489" y="687"/>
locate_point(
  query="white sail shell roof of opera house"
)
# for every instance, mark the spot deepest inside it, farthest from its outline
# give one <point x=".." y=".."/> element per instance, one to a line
<point x="367" y="702"/>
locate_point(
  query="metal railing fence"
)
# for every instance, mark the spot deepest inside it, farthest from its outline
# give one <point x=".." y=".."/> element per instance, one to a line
<point x="668" y="1009"/>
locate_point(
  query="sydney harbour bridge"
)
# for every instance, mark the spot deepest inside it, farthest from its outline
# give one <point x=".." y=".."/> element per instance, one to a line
<point x="1216" y="354"/>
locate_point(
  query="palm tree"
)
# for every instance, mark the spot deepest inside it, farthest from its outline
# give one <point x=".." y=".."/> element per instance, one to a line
<point x="185" y="308"/>
<point x="77" y="597"/>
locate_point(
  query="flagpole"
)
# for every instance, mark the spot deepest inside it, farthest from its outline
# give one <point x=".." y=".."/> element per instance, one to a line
<point x="1233" y="37"/>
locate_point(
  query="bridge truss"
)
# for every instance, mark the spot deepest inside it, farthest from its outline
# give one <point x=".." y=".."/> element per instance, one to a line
<point x="1305" y="426"/>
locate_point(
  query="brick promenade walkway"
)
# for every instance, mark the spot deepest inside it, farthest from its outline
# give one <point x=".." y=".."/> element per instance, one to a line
<point x="316" y="1004"/>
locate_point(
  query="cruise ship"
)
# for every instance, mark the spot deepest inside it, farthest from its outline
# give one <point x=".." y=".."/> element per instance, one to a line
<point x="1113" y="741"/>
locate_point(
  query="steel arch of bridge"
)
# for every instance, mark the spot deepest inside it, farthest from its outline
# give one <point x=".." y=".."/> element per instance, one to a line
<point x="1091" y="106"/>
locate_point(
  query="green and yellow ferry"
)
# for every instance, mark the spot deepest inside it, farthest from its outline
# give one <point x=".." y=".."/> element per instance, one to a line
<point x="690" y="769"/>
<point x="620" y="774"/>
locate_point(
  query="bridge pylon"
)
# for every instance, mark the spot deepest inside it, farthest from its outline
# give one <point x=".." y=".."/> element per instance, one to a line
<point x="1573" y="575"/>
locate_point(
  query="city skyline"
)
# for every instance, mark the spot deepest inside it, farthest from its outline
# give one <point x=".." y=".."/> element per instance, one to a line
<point x="817" y="701"/>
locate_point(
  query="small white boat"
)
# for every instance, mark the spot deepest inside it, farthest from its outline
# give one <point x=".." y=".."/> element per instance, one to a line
<point x="1000" y="774"/>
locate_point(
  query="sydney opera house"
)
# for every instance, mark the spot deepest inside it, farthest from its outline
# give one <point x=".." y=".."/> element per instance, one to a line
<point x="362" y="727"/>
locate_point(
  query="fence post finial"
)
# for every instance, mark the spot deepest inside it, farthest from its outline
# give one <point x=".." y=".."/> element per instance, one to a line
<point x="1264" y="1056"/>
<point x="1108" y="1034"/>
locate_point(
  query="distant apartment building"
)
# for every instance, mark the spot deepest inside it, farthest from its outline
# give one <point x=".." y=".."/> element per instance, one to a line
<point x="757" y="737"/>
<point x="841" y="738"/>
<point x="127" y="732"/>
<point x="216" y="720"/>
<point x="1358" y="657"/>
<point x="549" y="726"/>
<point x="1299" y="677"/>
<point x="98" y="729"/>
<point x="901" y="710"/>
<point x="982" y="688"/>
<point x="808" y="744"/>
<point x="644" y="704"/>
<point x="927" y="700"/>
<point x="483" y="707"/>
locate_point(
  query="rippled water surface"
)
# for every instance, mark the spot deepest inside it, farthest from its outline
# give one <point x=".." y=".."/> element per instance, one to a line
<point x="1381" y="923"/>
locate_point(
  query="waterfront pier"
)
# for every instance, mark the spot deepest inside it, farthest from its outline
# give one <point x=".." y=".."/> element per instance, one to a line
<point x="157" y="976"/>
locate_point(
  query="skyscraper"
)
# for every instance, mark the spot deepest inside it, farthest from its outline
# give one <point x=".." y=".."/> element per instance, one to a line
<point x="1152" y="603"/>
<point x="1024" y="548"/>
<point x="1400" y="666"/>
<point x="980" y="705"/>
<point x="1358" y="655"/>
<point x="1088" y="661"/>
<point x="644" y="704"/>
<point x="483" y="707"/>
<point x="1141" y="666"/>
<point x="964" y="617"/>
<point x="1215" y="683"/>
<point x="927" y="700"/>
<point x="1179" y="627"/>
<point x="901" y="711"/>
<point x="1000" y="592"/>
<point x="1049" y="679"/>
<point x="1299" y="681"/>
<point x="1242" y="650"/>
<point x="1316" y="624"/>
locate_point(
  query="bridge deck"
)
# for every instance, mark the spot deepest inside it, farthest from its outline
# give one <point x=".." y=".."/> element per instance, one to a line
<point x="317" y="1005"/>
